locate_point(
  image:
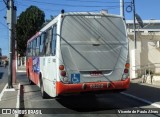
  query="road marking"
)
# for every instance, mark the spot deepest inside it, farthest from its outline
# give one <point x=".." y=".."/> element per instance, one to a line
<point x="18" y="99"/>
<point x="141" y="99"/>
<point x="1" y="94"/>
<point x="12" y="89"/>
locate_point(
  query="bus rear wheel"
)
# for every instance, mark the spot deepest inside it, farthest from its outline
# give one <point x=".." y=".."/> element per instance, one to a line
<point x="29" y="80"/>
<point x="43" y="93"/>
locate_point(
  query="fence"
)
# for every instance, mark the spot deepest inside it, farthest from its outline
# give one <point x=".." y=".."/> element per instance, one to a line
<point x="21" y="61"/>
<point x="147" y="71"/>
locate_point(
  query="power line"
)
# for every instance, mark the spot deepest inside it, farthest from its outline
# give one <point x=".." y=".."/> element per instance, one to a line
<point x="6" y="3"/>
<point x="92" y="1"/>
<point x="69" y="5"/>
<point x="58" y="10"/>
<point x="4" y="25"/>
<point x="21" y="4"/>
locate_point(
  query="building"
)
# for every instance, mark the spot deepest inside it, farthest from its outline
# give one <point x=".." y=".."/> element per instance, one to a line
<point x="146" y="57"/>
<point x="4" y="59"/>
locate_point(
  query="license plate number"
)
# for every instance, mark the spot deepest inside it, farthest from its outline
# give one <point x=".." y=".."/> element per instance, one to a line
<point x="96" y="86"/>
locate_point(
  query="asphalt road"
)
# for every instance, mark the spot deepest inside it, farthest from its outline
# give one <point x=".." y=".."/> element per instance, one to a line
<point x="101" y="105"/>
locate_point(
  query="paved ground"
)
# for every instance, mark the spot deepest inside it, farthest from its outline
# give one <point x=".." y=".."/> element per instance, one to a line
<point x="9" y="98"/>
<point x="149" y="94"/>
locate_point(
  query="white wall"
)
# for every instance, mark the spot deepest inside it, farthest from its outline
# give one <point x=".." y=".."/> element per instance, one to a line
<point x="146" y="55"/>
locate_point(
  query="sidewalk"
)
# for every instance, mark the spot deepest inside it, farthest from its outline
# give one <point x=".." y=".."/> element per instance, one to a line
<point x="21" y="69"/>
<point x="10" y="99"/>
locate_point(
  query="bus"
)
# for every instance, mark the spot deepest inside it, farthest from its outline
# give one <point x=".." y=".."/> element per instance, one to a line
<point x="79" y="52"/>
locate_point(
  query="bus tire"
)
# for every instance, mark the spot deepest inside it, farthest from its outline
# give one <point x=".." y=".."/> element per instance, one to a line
<point x="43" y="93"/>
<point x="29" y="80"/>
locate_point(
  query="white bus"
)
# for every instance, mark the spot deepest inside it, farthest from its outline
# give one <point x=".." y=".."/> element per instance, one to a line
<point x="79" y="52"/>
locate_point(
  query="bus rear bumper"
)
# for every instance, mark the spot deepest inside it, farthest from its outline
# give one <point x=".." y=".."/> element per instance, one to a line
<point x="91" y="86"/>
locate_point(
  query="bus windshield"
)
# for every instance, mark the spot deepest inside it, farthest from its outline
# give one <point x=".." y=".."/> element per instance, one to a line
<point x="93" y="42"/>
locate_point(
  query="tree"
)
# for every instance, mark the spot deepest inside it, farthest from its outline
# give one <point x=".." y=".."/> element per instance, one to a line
<point x="28" y="24"/>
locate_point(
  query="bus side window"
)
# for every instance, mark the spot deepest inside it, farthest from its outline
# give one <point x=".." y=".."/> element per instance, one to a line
<point x="29" y="52"/>
<point x="48" y="41"/>
<point x="34" y="47"/>
<point x="37" y="46"/>
<point x="54" y="40"/>
<point x="42" y="43"/>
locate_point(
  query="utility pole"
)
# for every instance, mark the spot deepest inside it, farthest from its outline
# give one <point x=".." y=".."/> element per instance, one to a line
<point x="10" y="19"/>
<point x="14" y="45"/>
<point x="11" y="15"/>
<point x="122" y="8"/>
<point x="134" y="24"/>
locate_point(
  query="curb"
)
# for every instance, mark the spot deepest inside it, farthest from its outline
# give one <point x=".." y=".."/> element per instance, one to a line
<point x="18" y="99"/>
<point x="1" y="94"/>
<point x="21" y="71"/>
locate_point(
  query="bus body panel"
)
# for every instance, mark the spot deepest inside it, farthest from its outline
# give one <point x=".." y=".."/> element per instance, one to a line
<point x="48" y="71"/>
<point x="94" y="49"/>
<point x="91" y="86"/>
<point x="31" y="71"/>
<point x="50" y="64"/>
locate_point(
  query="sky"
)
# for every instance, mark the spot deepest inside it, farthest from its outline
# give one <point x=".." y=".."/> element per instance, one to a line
<point x="146" y="9"/>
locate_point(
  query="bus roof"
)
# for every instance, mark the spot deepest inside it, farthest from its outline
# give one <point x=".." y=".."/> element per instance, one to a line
<point x="69" y="14"/>
<point x="34" y="36"/>
<point x="90" y="13"/>
<point x="75" y="13"/>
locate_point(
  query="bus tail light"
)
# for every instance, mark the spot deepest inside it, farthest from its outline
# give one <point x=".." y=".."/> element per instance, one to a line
<point x="127" y="65"/>
<point x="63" y="73"/>
<point x="126" y="71"/>
<point x="61" y="67"/>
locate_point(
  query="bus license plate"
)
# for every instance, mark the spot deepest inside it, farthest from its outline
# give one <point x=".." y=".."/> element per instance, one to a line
<point x="96" y="73"/>
<point x="96" y="86"/>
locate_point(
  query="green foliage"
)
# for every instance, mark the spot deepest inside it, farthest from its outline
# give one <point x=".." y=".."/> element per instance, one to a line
<point x="28" y="24"/>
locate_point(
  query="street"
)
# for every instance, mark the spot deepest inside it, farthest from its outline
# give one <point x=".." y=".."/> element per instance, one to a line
<point x="79" y="104"/>
<point x="82" y="105"/>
